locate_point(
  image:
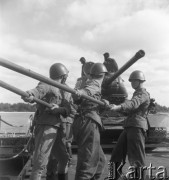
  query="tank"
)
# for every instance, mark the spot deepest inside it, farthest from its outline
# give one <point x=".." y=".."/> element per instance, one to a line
<point x="115" y="92"/>
<point x="113" y="126"/>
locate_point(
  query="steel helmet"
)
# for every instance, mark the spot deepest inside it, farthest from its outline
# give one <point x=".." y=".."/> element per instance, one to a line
<point x="97" y="69"/>
<point x="57" y="70"/>
<point x="137" y="75"/>
<point x="87" y="67"/>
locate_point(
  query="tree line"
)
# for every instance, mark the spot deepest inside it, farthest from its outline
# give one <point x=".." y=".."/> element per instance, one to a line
<point x="160" y="108"/>
<point x="23" y="107"/>
<point x="17" y="107"/>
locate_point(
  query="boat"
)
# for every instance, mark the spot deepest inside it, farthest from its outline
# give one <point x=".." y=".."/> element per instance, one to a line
<point x="15" y="150"/>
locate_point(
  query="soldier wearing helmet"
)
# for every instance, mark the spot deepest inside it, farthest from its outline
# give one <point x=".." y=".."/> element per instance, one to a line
<point x="132" y="139"/>
<point x="137" y="75"/>
<point x="98" y="70"/>
<point x="85" y="75"/>
<point x="91" y="159"/>
<point x="58" y="70"/>
<point x="83" y="62"/>
<point x="110" y="63"/>
<point x="86" y="68"/>
<point x="48" y="131"/>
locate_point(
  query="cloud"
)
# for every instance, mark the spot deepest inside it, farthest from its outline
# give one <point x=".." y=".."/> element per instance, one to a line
<point x="36" y="34"/>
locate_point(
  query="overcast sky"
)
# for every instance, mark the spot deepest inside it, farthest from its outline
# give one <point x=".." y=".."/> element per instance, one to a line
<point x="37" y="33"/>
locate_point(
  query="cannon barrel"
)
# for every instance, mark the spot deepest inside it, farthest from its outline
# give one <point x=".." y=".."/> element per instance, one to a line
<point x="22" y="93"/>
<point x="137" y="56"/>
<point x="29" y="73"/>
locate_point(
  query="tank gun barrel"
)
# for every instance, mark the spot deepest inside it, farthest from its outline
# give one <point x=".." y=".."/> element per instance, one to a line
<point x="22" y="93"/>
<point x="137" y="56"/>
<point x="34" y="75"/>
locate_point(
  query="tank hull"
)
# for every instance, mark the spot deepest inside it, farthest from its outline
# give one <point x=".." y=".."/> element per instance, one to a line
<point x="113" y="126"/>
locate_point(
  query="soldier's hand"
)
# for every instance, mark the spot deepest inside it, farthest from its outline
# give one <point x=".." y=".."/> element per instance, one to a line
<point x="53" y="110"/>
<point x="55" y="106"/>
<point x="78" y="93"/>
<point x="112" y="106"/>
<point x="29" y="99"/>
<point x="106" y="103"/>
<point x="115" y="107"/>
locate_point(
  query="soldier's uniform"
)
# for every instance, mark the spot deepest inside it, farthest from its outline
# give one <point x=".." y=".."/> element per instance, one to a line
<point x="80" y="82"/>
<point x="86" y="72"/>
<point x="68" y="121"/>
<point x="48" y="123"/>
<point x="86" y="131"/>
<point x="47" y="127"/>
<point x="60" y="155"/>
<point x="132" y="140"/>
<point x="110" y="63"/>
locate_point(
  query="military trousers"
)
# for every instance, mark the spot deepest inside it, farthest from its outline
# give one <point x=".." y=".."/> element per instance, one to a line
<point x="132" y="143"/>
<point x="59" y="157"/>
<point x="44" y="139"/>
<point x="67" y="131"/>
<point x="90" y="158"/>
<point x="68" y="137"/>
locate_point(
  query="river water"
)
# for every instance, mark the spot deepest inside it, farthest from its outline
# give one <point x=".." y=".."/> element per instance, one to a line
<point x="15" y="119"/>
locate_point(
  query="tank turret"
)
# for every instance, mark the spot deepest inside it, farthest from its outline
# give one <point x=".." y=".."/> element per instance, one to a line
<point x="115" y="92"/>
<point x="113" y="88"/>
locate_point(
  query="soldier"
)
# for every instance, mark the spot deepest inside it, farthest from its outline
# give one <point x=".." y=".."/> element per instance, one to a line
<point x="110" y="63"/>
<point x="86" y="75"/>
<point x="132" y="139"/>
<point x="86" y="128"/>
<point x="65" y="137"/>
<point x="83" y="61"/>
<point x="48" y="124"/>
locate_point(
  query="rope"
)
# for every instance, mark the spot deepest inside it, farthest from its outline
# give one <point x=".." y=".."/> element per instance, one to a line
<point x="15" y="156"/>
<point x="9" y="123"/>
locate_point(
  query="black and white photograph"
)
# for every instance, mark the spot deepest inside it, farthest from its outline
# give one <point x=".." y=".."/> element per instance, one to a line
<point x="84" y="89"/>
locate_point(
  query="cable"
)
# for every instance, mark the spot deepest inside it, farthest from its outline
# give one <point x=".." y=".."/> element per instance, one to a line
<point x="9" y="123"/>
<point x="15" y="156"/>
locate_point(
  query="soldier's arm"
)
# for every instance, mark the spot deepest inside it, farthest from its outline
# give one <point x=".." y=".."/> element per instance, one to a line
<point x="56" y="110"/>
<point x="40" y="91"/>
<point x="69" y="105"/>
<point x="73" y="108"/>
<point x="134" y="103"/>
<point x="130" y="105"/>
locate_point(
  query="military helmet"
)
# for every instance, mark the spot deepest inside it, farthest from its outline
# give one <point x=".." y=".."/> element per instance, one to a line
<point x="57" y="70"/>
<point x="87" y="67"/>
<point x="98" y="69"/>
<point x="137" y="75"/>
